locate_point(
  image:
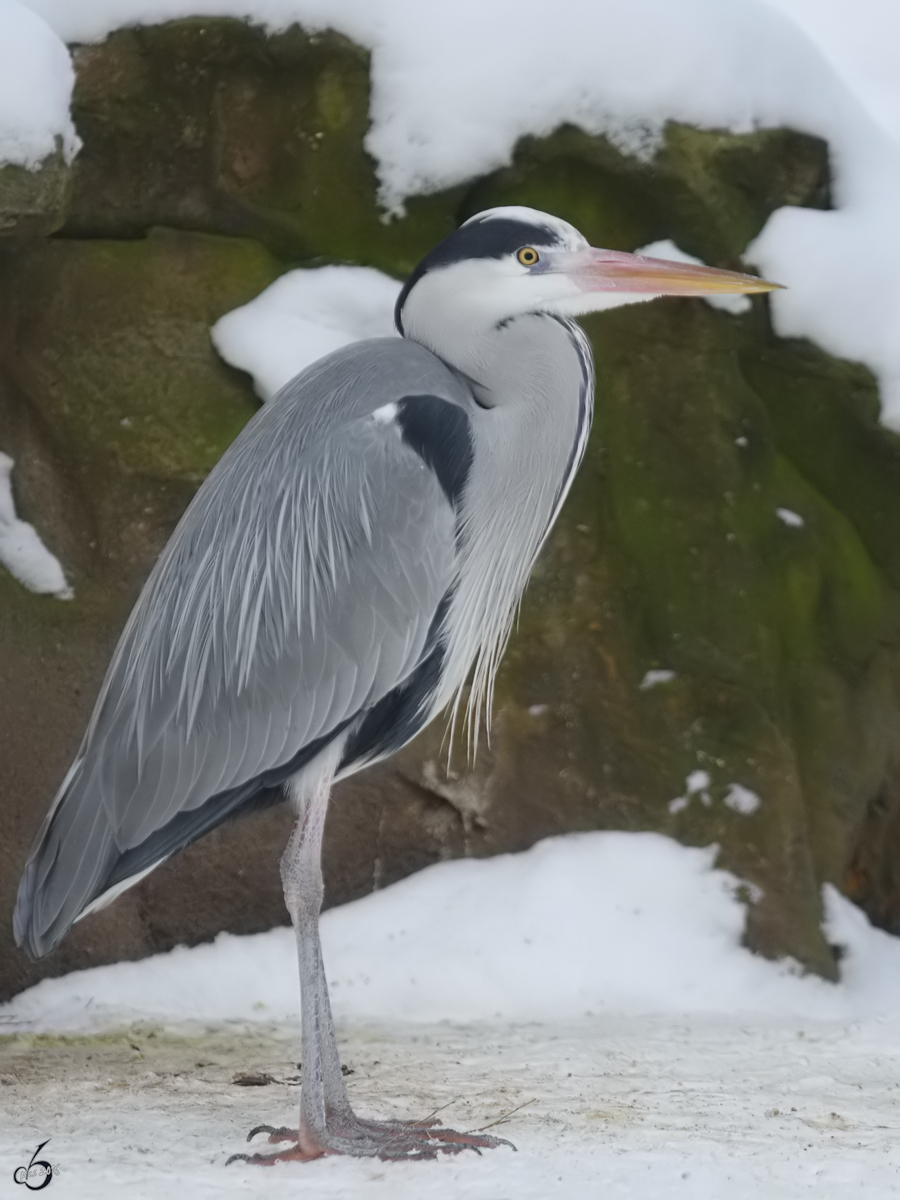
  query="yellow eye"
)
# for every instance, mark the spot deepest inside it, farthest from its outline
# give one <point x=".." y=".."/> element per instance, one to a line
<point x="528" y="256"/>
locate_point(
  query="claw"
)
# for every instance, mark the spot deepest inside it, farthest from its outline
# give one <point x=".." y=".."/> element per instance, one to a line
<point x="277" y="1133"/>
<point x="470" y="1140"/>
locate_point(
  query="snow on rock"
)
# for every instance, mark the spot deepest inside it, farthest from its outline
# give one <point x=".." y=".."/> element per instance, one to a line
<point x="302" y="316"/>
<point x="860" y="41"/>
<point x="615" y="922"/>
<point x="36" y="80"/>
<point x="667" y="249"/>
<point x="654" y="678"/>
<point x="695" y="784"/>
<point x="21" y="550"/>
<point x="789" y="517"/>
<point x="447" y="106"/>
<point x="741" y="799"/>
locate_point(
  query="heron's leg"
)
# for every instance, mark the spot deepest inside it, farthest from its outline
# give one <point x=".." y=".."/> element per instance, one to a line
<point x="328" y="1124"/>
<point x="322" y="1091"/>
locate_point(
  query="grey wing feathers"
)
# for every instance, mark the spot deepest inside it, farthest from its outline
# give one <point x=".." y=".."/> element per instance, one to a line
<point x="298" y="590"/>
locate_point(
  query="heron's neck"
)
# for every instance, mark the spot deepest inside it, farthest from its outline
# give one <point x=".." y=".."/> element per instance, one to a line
<point x="533" y="381"/>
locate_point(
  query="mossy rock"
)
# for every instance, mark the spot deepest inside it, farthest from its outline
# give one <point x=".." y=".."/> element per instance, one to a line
<point x="108" y="366"/>
<point x="34" y="200"/>
<point x="710" y="191"/>
<point x="784" y="638"/>
<point x="209" y="124"/>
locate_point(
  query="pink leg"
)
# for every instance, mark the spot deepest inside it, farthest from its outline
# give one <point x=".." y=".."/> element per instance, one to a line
<point x="328" y="1124"/>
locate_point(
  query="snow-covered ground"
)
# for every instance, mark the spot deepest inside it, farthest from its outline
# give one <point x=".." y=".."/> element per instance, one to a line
<point x="597" y="981"/>
<point x="574" y="926"/>
<point x="619" y="1107"/>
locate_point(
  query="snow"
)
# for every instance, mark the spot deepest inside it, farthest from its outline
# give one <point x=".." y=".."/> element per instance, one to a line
<point x="36" y="79"/>
<point x="434" y="83"/>
<point x="654" y="678"/>
<point x="592" y="994"/>
<point x="21" y="550"/>
<point x="694" y="785"/>
<point x="302" y="316"/>
<point x="789" y="517"/>
<point x="741" y="799"/>
<point x="620" y="1107"/>
<point x="619" y="922"/>
<point x="860" y="41"/>
<point x="697" y="781"/>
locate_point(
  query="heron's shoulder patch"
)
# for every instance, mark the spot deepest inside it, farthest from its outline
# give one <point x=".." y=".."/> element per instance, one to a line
<point x="438" y="431"/>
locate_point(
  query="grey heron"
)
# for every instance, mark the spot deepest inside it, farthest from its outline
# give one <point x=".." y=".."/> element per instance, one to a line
<point x="353" y="560"/>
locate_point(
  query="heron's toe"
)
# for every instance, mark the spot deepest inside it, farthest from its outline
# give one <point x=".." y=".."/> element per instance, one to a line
<point x="277" y="1133"/>
<point x="469" y="1141"/>
<point x="294" y="1154"/>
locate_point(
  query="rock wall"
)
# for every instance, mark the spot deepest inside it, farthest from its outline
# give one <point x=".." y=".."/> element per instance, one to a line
<point x="214" y="159"/>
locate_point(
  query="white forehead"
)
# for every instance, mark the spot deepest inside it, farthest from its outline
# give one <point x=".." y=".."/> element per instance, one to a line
<point x="569" y="236"/>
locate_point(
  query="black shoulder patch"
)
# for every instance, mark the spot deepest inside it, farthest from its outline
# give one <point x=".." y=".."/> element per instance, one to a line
<point x="440" y="433"/>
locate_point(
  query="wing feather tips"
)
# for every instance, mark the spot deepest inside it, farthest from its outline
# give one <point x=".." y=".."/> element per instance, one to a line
<point x="72" y="856"/>
<point x="25" y="935"/>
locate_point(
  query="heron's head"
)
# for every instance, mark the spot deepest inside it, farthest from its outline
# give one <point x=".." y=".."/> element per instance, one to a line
<point x="505" y="262"/>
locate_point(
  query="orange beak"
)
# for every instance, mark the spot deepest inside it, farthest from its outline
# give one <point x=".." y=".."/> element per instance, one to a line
<point x="615" y="271"/>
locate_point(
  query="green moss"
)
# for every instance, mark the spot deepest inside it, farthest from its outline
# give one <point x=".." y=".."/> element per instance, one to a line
<point x="824" y="413"/>
<point x="114" y="350"/>
<point x="671" y="554"/>
<point x="207" y="124"/>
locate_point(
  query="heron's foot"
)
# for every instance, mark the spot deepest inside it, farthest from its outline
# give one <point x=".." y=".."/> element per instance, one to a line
<point x="428" y="1137"/>
<point x="346" y="1133"/>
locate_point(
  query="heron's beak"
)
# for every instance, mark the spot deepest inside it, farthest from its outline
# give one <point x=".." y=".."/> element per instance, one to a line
<point x="615" y="271"/>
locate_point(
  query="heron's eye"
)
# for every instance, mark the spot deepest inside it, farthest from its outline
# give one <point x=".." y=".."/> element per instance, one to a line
<point x="528" y="256"/>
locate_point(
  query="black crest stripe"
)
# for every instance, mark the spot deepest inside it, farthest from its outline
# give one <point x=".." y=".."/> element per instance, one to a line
<point x="493" y="237"/>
